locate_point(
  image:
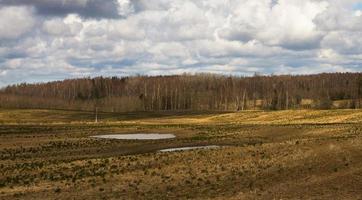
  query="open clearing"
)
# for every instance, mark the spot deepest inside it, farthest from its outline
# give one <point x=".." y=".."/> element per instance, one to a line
<point x="308" y="154"/>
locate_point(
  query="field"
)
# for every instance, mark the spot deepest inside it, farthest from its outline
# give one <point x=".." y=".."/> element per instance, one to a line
<point x="297" y="154"/>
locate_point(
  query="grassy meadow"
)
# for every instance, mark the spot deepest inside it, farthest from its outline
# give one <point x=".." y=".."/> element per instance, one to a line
<point x="294" y="154"/>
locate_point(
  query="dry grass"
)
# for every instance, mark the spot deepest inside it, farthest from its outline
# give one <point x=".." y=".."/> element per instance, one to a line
<point x="266" y="155"/>
<point x="265" y="117"/>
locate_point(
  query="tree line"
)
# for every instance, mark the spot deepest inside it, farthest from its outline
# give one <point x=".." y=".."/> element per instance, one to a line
<point x="190" y="92"/>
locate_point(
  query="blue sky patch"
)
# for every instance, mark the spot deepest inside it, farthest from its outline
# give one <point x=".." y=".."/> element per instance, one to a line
<point x="357" y="6"/>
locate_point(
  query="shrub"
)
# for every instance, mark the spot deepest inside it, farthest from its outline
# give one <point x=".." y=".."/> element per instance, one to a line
<point x="57" y="190"/>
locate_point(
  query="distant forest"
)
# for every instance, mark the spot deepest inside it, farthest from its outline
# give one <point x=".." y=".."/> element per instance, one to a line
<point x="204" y="92"/>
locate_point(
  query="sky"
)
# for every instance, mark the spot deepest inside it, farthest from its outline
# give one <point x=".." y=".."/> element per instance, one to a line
<point x="45" y="40"/>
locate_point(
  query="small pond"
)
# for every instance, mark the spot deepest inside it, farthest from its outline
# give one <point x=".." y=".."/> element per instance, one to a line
<point x="138" y="136"/>
<point x="190" y="148"/>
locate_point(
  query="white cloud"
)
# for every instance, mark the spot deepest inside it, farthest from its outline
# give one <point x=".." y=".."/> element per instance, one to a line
<point x="175" y="36"/>
<point x="56" y="27"/>
<point x="125" y="7"/>
<point x="15" y="21"/>
<point x="358" y="13"/>
<point x="68" y="26"/>
<point x="344" y="42"/>
<point x="3" y="72"/>
<point x="329" y="54"/>
<point x="288" y="24"/>
<point x="339" y="17"/>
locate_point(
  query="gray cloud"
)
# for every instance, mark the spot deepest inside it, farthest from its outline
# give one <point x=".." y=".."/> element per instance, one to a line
<point x="53" y="39"/>
<point x="85" y="8"/>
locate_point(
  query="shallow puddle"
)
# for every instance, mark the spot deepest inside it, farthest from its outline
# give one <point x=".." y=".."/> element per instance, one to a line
<point x="139" y="136"/>
<point x="190" y="148"/>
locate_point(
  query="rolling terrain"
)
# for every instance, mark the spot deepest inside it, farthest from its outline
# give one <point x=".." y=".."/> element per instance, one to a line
<point x="291" y="154"/>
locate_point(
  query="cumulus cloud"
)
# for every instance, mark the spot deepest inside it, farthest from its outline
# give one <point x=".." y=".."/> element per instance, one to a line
<point x="344" y="42"/>
<point x="69" y="26"/>
<point x="15" y="21"/>
<point x="125" y="7"/>
<point x="339" y="17"/>
<point x="54" y="39"/>
<point x="288" y="23"/>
